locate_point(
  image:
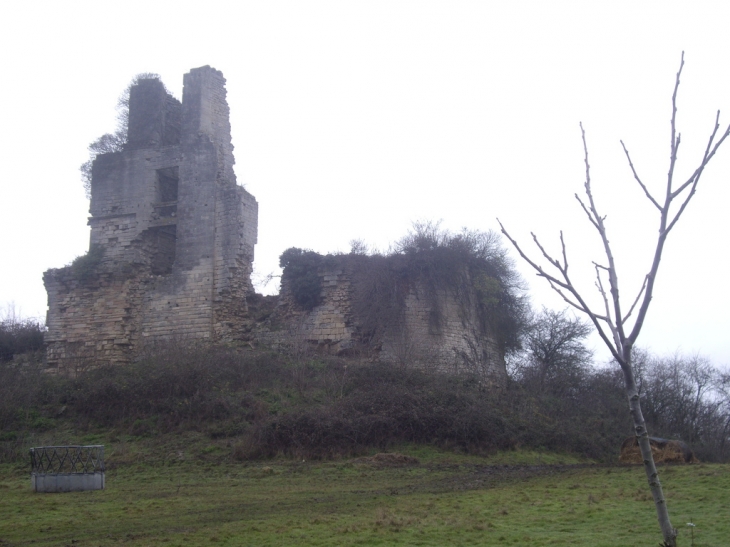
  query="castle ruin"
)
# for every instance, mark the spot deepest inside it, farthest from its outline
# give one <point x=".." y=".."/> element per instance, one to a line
<point x="171" y="253"/>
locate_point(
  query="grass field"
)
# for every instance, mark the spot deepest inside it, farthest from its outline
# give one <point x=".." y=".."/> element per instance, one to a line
<point x="513" y="498"/>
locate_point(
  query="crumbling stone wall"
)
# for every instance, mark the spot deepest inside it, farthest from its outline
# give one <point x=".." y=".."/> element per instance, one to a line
<point x="176" y="231"/>
<point x="457" y="343"/>
<point x="329" y="327"/>
<point x="90" y="319"/>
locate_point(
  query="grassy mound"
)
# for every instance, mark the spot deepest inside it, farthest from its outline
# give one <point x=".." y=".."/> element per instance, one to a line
<point x="260" y="404"/>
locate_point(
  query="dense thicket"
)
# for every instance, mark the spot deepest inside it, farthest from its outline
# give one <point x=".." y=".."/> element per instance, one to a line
<point x="307" y="406"/>
<point x="269" y="404"/>
<point x="20" y="336"/>
<point x="272" y="405"/>
<point x="685" y="398"/>
<point x="302" y="271"/>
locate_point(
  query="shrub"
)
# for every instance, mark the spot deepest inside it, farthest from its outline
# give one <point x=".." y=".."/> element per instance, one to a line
<point x="181" y="385"/>
<point x="383" y="406"/>
<point x="302" y="269"/>
<point x="471" y="266"/>
<point x="85" y="266"/>
<point x="112" y="142"/>
<point x="20" y="336"/>
<point x="323" y="408"/>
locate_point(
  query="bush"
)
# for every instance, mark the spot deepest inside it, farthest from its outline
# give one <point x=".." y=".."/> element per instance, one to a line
<point x="84" y="267"/>
<point x="112" y="142"/>
<point x="302" y="275"/>
<point x="385" y="406"/>
<point x="179" y="385"/>
<point x="322" y="408"/>
<point x="19" y="336"/>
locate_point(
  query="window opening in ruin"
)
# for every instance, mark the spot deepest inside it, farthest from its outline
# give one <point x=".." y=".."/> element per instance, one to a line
<point x="166" y="185"/>
<point x="167" y="182"/>
<point x="161" y="243"/>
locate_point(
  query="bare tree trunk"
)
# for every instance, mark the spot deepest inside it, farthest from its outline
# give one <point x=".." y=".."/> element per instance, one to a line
<point x="652" y="475"/>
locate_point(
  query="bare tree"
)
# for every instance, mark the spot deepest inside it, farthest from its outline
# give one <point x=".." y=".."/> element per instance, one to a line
<point x="613" y="323"/>
<point x="556" y="357"/>
<point x="675" y="394"/>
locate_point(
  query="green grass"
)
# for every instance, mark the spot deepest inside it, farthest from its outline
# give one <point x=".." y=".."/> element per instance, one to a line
<point x="446" y="499"/>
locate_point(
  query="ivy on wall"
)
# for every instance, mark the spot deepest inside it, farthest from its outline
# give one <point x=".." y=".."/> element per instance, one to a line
<point x="471" y="266"/>
<point x="84" y="267"/>
<point x="302" y="274"/>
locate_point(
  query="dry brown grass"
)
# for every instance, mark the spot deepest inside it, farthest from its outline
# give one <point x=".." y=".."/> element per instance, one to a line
<point x="664" y="451"/>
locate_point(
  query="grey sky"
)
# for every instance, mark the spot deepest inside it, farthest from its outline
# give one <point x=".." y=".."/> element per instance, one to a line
<point x="354" y="119"/>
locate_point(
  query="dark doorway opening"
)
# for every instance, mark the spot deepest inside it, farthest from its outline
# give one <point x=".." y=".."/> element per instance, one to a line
<point x="161" y="242"/>
<point x="167" y="183"/>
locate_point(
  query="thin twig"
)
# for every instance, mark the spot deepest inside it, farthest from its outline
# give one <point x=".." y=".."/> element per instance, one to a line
<point x="601" y="227"/>
<point x="560" y="286"/>
<point x="609" y="322"/>
<point x="709" y="153"/>
<point x="695" y="179"/>
<point x="675" y="139"/>
<point x="638" y="296"/>
<point x="638" y="179"/>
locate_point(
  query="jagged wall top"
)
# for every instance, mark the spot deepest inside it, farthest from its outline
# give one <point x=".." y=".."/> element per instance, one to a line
<point x="154" y="116"/>
<point x="206" y="113"/>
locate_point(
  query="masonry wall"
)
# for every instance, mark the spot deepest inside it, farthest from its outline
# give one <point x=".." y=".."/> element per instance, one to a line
<point x="90" y="320"/>
<point x="330" y="327"/>
<point x="457" y="343"/>
<point x="176" y="233"/>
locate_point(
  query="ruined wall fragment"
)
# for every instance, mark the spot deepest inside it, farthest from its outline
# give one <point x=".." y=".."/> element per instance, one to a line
<point x="457" y="342"/>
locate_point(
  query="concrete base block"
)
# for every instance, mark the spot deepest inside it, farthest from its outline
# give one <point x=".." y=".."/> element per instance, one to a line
<point x="67" y="482"/>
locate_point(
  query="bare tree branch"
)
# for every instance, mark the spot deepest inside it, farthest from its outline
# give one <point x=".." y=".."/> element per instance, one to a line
<point x="676" y="139"/>
<point x="709" y="152"/>
<point x="695" y="179"/>
<point x="604" y="296"/>
<point x="638" y="179"/>
<point x="588" y="213"/>
<point x="612" y="274"/>
<point x="638" y="296"/>
<point x="570" y="302"/>
<point x="567" y="286"/>
<point x="545" y="254"/>
<point x="565" y="256"/>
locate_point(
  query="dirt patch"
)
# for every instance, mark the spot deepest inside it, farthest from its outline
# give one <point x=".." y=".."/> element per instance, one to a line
<point x="388" y="459"/>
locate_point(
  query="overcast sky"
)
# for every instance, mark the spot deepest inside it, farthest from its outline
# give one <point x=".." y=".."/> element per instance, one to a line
<point x="352" y="120"/>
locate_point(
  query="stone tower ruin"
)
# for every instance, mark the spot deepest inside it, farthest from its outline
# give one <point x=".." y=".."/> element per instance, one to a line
<point x="172" y="234"/>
